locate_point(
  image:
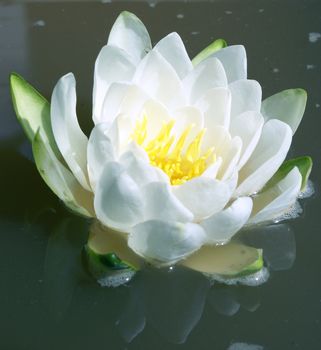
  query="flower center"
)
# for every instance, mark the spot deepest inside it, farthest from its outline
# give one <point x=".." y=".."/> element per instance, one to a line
<point x="168" y="153"/>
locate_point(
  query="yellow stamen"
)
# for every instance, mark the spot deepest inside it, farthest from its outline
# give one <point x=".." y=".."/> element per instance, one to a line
<point x="168" y="155"/>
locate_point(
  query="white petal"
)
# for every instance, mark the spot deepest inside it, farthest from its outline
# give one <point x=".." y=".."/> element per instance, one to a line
<point x="246" y="96"/>
<point x="161" y="204"/>
<point x="164" y="241"/>
<point x="159" y="79"/>
<point x="157" y="114"/>
<point x="70" y="139"/>
<point x="123" y="98"/>
<point x="213" y="169"/>
<point x="215" y="104"/>
<point x="118" y="200"/>
<point x="112" y="101"/>
<point x="234" y="62"/>
<point x="274" y="201"/>
<point x="203" y="196"/>
<point x="222" y="226"/>
<point x="218" y="137"/>
<point x="172" y="48"/>
<point x="130" y="34"/>
<point x="248" y="126"/>
<point x="100" y="150"/>
<point x="206" y="75"/>
<point x="112" y="65"/>
<point x="140" y="169"/>
<point x="287" y="105"/>
<point x="267" y="157"/>
<point x="230" y="155"/>
<point x="184" y="118"/>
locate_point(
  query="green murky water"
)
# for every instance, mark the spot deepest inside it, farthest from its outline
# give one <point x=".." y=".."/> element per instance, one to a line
<point x="47" y="300"/>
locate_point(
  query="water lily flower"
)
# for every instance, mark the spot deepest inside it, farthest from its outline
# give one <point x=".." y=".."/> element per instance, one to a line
<point x="183" y="153"/>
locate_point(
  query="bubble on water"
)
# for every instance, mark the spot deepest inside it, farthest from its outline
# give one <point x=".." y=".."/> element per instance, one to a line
<point x="180" y="16"/>
<point x="261" y="10"/>
<point x="228" y="12"/>
<point x="314" y="37"/>
<point x="152" y="4"/>
<point x="116" y="280"/>
<point x="317" y="105"/>
<point x="195" y="32"/>
<point x="253" y="280"/>
<point x="310" y="66"/>
<point x="308" y="191"/>
<point x="275" y="70"/>
<point x="39" y="23"/>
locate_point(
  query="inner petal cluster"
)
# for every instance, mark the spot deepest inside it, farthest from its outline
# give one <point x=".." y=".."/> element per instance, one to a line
<point x="171" y="153"/>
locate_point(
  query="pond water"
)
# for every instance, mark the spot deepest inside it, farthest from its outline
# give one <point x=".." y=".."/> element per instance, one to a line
<point x="47" y="300"/>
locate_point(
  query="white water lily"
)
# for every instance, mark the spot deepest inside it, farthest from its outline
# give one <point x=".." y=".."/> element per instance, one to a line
<point x="183" y="152"/>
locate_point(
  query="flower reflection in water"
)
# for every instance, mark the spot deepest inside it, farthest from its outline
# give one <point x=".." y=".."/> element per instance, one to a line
<point x="170" y="300"/>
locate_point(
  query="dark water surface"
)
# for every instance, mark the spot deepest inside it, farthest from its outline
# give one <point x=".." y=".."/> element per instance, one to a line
<point x="46" y="299"/>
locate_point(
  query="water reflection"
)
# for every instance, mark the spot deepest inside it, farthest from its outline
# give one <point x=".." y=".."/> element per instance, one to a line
<point x="171" y="300"/>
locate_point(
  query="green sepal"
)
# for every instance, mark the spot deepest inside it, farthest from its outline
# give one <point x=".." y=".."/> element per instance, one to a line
<point x="215" y="46"/>
<point x="107" y="262"/>
<point x="107" y="269"/>
<point x="60" y="179"/>
<point x="304" y="164"/>
<point x="32" y="111"/>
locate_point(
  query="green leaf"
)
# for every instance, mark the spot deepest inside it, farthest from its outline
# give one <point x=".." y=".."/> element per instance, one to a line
<point x="209" y="50"/>
<point x="108" y="258"/>
<point x="32" y="110"/>
<point x="287" y="106"/>
<point x="304" y="164"/>
<point x="231" y="260"/>
<point x="60" y="179"/>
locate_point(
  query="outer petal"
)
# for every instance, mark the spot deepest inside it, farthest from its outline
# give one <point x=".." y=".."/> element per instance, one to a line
<point x="215" y="105"/>
<point x="70" y="140"/>
<point x="234" y="62"/>
<point x="203" y="196"/>
<point x="206" y="75"/>
<point x="130" y="34"/>
<point x="112" y="64"/>
<point x="287" y="105"/>
<point x="246" y="96"/>
<point x="248" y="126"/>
<point x="161" y="204"/>
<point x="173" y="50"/>
<point x="274" y="201"/>
<point x="159" y="79"/>
<point x="221" y="226"/>
<point x="118" y="200"/>
<point x="267" y="157"/>
<point x="101" y="149"/>
<point x="164" y="241"/>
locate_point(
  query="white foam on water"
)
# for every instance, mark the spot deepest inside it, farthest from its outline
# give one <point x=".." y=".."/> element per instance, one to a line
<point x="310" y="66"/>
<point x="245" y="346"/>
<point x="293" y="212"/>
<point x="253" y="280"/>
<point x="180" y="16"/>
<point x="117" y="280"/>
<point x="309" y="190"/>
<point x="314" y="37"/>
